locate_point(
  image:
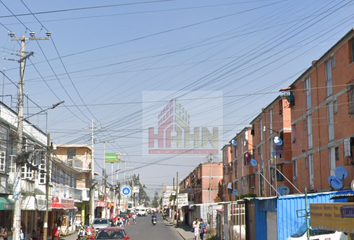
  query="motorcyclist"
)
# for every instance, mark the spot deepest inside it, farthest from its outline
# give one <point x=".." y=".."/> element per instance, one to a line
<point x="153" y="217"/>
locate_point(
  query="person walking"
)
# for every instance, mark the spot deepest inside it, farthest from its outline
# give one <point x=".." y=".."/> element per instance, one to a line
<point x="202" y="228"/>
<point x="196" y="229"/>
<point x="134" y="218"/>
<point x="55" y="232"/>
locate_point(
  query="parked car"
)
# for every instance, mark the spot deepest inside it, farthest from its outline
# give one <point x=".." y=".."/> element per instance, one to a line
<point x="317" y="234"/>
<point x="115" y="233"/>
<point x="99" y="223"/>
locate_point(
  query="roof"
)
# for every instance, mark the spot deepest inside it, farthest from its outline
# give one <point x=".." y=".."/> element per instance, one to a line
<point x="322" y="57"/>
<point x="72" y="146"/>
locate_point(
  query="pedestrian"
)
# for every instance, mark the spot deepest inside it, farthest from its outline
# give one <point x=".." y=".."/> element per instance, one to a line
<point x="3" y="232"/>
<point x="202" y="228"/>
<point x="22" y="235"/>
<point x="196" y="229"/>
<point x="134" y="218"/>
<point x="127" y="219"/>
<point x="55" y="232"/>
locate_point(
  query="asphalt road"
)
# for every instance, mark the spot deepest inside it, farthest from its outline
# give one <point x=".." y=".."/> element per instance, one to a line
<point x="144" y="230"/>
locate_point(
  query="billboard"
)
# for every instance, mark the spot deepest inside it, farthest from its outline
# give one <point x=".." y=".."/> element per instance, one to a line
<point x="333" y="216"/>
<point x="182" y="122"/>
<point x="112" y="157"/>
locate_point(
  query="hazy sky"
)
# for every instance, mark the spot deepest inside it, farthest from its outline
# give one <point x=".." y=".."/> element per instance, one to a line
<point x="103" y="55"/>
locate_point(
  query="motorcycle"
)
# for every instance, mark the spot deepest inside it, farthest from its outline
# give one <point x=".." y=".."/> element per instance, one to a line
<point x="153" y="221"/>
<point x="81" y="234"/>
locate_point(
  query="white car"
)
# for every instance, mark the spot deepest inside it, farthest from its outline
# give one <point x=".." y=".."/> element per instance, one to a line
<point x="141" y="212"/>
<point x="317" y="234"/>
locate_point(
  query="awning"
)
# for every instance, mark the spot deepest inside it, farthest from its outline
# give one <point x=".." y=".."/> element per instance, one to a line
<point x="28" y="203"/>
<point x="6" y="204"/>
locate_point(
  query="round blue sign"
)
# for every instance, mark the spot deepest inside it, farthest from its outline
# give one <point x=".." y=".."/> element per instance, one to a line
<point x="126" y="191"/>
<point x="234" y="192"/>
<point x="335" y="182"/>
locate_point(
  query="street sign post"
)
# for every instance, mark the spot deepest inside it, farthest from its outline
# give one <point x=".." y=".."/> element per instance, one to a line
<point x="126" y="191"/>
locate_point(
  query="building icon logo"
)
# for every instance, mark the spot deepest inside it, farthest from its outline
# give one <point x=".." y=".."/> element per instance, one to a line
<point x="174" y="133"/>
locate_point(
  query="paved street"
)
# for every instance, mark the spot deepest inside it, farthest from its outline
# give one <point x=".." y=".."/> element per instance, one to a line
<point x="144" y="229"/>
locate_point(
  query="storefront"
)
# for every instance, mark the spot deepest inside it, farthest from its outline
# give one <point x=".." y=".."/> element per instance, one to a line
<point x="100" y="208"/>
<point x="6" y="213"/>
<point x="64" y="214"/>
<point x="333" y="216"/>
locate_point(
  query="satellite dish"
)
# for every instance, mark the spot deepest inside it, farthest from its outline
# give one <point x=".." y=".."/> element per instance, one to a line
<point x="235" y="192"/>
<point x="341" y="172"/>
<point x="278" y="141"/>
<point x="283" y="190"/>
<point x="335" y="182"/>
<point x="234" y="142"/>
<point x="253" y="162"/>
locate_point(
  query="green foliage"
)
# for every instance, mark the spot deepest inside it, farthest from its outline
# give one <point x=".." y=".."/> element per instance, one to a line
<point x="155" y="201"/>
<point x="135" y="181"/>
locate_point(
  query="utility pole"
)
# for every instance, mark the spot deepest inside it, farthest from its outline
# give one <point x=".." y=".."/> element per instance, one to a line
<point x="211" y="173"/>
<point x="104" y="176"/>
<point x="177" y="191"/>
<point x="92" y="191"/>
<point x="19" y="148"/>
<point x="174" y="202"/>
<point x="45" y="225"/>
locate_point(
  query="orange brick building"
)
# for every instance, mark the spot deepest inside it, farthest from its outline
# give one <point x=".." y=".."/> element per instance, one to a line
<point x="322" y="118"/>
<point x="314" y="120"/>
<point x="197" y="184"/>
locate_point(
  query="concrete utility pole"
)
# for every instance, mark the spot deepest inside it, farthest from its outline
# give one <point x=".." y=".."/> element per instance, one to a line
<point x="17" y="181"/>
<point x="174" y="202"/>
<point x="211" y="173"/>
<point x="45" y="225"/>
<point x="92" y="191"/>
<point x="177" y="191"/>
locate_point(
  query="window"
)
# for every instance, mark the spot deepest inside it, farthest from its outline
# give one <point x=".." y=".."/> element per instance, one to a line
<point x="270" y="120"/>
<point x="308" y="92"/>
<point x="281" y="107"/>
<point x="71" y="153"/>
<point x="330" y="121"/>
<point x="41" y="174"/>
<point x="336" y="150"/>
<point x="236" y="175"/>
<point x="335" y="106"/>
<point x="352" y="50"/>
<point x="333" y="61"/>
<point x="309" y="131"/>
<point x="261" y="128"/>
<point x="350" y="90"/>
<point x="293" y="133"/>
<point x="2" y="161"/>
<point x="329" y="77"/>
<point x="26" y="171"/>
<point x="295" y="169"/>
<point x="332" y="161"/>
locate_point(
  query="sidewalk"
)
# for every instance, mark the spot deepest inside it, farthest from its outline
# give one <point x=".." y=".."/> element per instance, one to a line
<point x="183" y="230"/>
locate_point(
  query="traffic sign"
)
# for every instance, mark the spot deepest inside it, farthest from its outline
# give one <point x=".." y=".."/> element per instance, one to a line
<point x="234" y="192"/>
<point x="126" y="191"/>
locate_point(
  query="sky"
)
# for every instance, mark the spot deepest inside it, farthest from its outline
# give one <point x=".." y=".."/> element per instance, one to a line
<point x="118" y="64"/>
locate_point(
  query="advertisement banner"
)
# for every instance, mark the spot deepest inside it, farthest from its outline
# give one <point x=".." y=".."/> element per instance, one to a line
<point x="112" y="158"/>
<point x="333" y="216"/>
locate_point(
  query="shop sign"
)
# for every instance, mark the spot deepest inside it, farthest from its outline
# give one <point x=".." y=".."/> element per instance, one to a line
<point x="59" y="203"/>
<point x="333" y="216"/>
<point x="101" y="203"/>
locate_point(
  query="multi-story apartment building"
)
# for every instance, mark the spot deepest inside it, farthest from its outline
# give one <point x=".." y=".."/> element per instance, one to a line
<point x="72" y="185"/>
<point x="273" y="159"/>
<point x="202" y="183"/>
<point x="238" y="173"/>
<point x="322" y="118"/>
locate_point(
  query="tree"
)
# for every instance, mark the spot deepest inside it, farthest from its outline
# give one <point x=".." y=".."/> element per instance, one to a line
<point x="155" y="201"/>
<point x="142" y="197"/>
